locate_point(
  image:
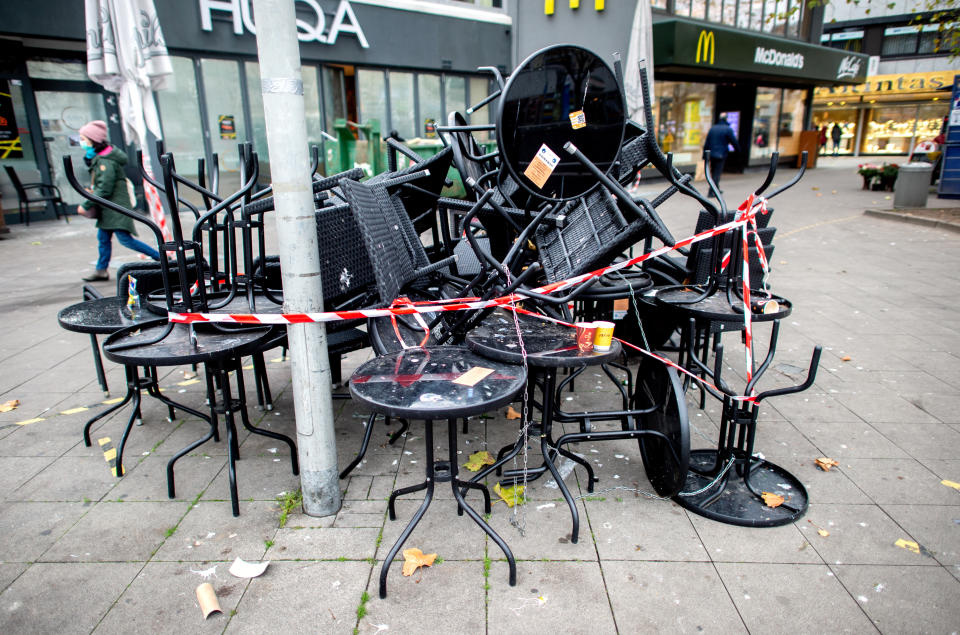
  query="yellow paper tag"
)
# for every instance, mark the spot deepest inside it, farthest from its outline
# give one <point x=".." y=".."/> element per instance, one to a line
<point x="542" y="166"/>
<point x="955" y="486"/>
<point x="909" y="545"/>
<point x="473" y="376"/>
<point x="578" y="120"/>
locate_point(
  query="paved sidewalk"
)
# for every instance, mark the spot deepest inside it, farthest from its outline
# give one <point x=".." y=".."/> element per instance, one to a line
<point x="82" y="551"/>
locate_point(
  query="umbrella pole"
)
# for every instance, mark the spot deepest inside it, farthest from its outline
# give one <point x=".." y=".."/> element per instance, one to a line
<point x="283" y="107"/>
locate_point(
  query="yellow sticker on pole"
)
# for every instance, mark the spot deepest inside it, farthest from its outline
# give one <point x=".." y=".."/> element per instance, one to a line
<point x="542" y="166"/>
<point x="578" y="120"/>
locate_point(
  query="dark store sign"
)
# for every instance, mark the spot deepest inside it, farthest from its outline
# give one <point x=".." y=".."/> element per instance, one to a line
<point x="10" y="145"/>
<point x="692" y="44"/>
<point x="311" y="20"/>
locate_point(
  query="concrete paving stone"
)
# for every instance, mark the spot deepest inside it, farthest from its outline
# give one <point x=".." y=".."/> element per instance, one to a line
<point x="904" y="599"/>
<point x="209" y="531"/>
<point x="811" y="406"/>
<point x="90" y="479"/>
<point x="63" y="598"/>
<point x="678" y="597"/>
<point x="10" y="571"/>
<point x="850" y="440"/>
<point x="730" y="543"/>
<point x="142" y="438"/>
<point x="799" y="598"/>
<point x="644" y="530"/>
<point x="448" y="597"/>
<point x="546" y="532"/>
<point x="923" y="440"/>
<point x="936" y="527"/>
<point x="276" y="601"/>
<point x="356" y="487"/>
<point x="898" y="481"/>
<point x="115" y="532"/>
<point x="440" y="530"/>
<point x="946" y="469"/>
<point x="259" y="477"/>
<point x="883" y="408"/>
<point x="361" y="513"/>
<point x="189" y="429"/>
<point x="146" y="477"/>
<point x="910" y="381"/>
<point x="52" y="437"/>
<point x="324" y="543"/>
<point x="783" y="439"/>
<point x="162" y="599"/>
<point x="17" y="470"/>
<point x="566" y="597"/>
<point x="859" y="534"/>
<point x="942" y="406"/>
<point x="29" y="529"/>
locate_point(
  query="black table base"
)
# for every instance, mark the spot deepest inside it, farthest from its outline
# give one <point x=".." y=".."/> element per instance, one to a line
<point x="736" y="499"/>
<point x="443" y="472"/>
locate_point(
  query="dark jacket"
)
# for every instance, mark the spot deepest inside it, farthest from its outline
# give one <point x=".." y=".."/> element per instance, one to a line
<point x="109" y="182"/>
<point x="836" y="133"/>
<point x="720" y="135"/>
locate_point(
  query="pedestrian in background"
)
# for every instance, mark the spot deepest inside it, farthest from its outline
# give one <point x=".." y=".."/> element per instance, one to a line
<point x="718" y="142"/>
<point x="108" y="181"/>
<point x="823" y="139"/>
<point x="836" y="133"/>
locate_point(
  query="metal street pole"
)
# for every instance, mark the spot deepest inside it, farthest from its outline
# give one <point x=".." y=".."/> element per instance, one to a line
<point x="283" y="107"/>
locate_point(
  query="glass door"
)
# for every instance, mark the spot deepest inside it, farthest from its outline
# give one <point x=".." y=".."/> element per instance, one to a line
<point x="62" y="113"/>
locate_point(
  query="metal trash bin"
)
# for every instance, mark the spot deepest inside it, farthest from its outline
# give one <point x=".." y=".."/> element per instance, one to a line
<point x="913" y="185"/>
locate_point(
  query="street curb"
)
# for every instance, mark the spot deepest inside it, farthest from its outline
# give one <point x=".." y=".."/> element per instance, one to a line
<point x="916" y="220"/>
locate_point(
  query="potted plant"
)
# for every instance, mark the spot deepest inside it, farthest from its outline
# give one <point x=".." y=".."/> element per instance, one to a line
<point x="888" y="176"/>
<point x="868" y="172"/>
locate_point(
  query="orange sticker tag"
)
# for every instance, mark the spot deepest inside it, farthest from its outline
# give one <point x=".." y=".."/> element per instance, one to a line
<point x="473" y="376"/>
<point x="578" y="120"/>
<point x="620" y="308"/>
<point x="542" y="166"/>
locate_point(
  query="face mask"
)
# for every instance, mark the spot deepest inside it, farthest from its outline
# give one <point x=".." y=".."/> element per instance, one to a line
<point x="90" y="153"/>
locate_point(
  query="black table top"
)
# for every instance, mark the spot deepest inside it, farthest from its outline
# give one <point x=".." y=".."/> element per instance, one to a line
<point x="418" y="383"/>
<point x="177" y="348"/>
<point x="716" y="306"/>
<point x="102" y="316"/>
<point x="548" y="345"/>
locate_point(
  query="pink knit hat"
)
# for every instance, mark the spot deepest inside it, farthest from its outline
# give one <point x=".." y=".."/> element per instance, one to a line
<point x="96" y="131"/>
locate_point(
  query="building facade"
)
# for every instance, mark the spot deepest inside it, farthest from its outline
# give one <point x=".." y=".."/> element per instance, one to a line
<point x="907" y="92"/>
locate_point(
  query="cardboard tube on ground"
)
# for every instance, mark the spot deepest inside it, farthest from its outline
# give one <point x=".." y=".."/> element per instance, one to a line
<point x="207" y="598"/>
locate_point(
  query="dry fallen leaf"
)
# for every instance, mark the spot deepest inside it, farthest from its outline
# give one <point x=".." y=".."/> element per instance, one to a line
<point x="413" y="559"/>
<point x="825" y="463"/>
<point x="909" y="545"/>
<point x="510" y="495"/>
<point x="189" y="374"/>
<point x="477" y="460"/>
<point x="512" y="414"/>
<point x="771" y="499"/>
<point x="845" y="358"/>
<point x="823" y="532"/>
<point x="10" y="405"/>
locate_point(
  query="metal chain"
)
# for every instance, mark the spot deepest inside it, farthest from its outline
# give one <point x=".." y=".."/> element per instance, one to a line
<point x="519" y="519"/>
<point x="636" y="312"/>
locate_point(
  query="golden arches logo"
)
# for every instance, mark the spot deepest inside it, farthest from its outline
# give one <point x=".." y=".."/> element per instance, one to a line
<point x="706" y="46"/>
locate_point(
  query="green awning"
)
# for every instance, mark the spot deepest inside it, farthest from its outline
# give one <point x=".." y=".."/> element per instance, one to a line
<point x="699" y="48"/>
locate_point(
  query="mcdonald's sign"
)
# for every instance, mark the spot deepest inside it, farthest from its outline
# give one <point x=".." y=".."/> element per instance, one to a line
<point x="706" y="46"/>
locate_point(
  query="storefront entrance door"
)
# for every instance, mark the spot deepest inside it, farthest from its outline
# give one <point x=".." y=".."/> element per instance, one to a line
<point x="62" y="113"/>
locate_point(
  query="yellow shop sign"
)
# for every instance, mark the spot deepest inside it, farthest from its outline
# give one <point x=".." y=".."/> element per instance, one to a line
<point x="890" y="85"/>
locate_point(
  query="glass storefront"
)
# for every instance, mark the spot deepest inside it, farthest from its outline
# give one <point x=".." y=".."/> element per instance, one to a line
<point x="888" y="129"/>
<point x="846" y="118"/>
<point x="683" y="113"/>
<point x="791" y="121"/>
<point x="766" y="115"/>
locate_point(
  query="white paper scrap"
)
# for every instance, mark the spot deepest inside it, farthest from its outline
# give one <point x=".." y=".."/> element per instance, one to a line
<point x="241" y="569"/>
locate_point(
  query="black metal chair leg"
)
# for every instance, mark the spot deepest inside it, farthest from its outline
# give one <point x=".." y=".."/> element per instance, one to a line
<point x="363" y="447"/>
<point x="171" y="488"/>
<point x="98" y="364"/>
<point x="401" y="492"/>
<point x="405" y="425"/>
<point x="111" y="409"/>
<point x="232" y="444"/>
<point x="264" y="397"/>
<point x="545" y="449"/>
<point x="118" y="469"/>
<point x="428" y="485"/>
<point x="266" y="433"/>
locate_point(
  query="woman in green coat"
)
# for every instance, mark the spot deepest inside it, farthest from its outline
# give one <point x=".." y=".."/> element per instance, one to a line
<point x="109" y="182"/>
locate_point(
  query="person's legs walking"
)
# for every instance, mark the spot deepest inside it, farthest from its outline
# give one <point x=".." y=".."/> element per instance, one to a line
<point x="128" y="241"/>
<point x="104" y="250"/>
<point x="716" y="170"/>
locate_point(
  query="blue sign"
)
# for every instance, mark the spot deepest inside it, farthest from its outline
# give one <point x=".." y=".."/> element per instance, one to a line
<point x="950" y="176"/>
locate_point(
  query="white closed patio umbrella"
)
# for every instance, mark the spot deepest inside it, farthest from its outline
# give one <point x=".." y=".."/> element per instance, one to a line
<point x="640" y="49"/>
<point x="126" y="54"/>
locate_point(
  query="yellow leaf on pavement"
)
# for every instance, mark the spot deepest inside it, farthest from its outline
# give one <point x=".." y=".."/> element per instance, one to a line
<point x="477" y="460"/>
<point x="510" y="495"/>
<point x="771" y="499"/>
<point x="823" y="532"/>
<point x="414" y="559"/>
<point x="511" y="413"/>
<point x="10" y="405"/>
<point x="825" y="463"/>
<point x="909" y="545"/>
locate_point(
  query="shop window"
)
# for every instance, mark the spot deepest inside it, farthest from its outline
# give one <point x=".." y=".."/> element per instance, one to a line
<point x="659" y="4"/>
<point x="480" y="88"/>
<point x="179" y="106"/>
<point x="930" y="121"/>
<point x="334" y="96"/>
<point x="16" y="146"/>
<point x="846" y="118"/>
<point x="698" y="9"/>
<point x="744" y="14"/>
<point x="311" y="105"/>
<point x="684" y="113"/>
<point x="258" y="124"/>
<point x="57" y="69"/>
<point x="402" y="115"/>
<point x="372" y="98"/>
<point x="431" y="106"/>
<point x="897" y="43"/>
<point x="889" y="130"/>
<point x="791" y="121"/>
<point x="681" y="7"/>
<point x="715" y="11"/>
<point x="454" y="94"/>
<point x="903" y="41"/>
<point x="730" y="12"/>
<point x="766" y="121"/>
<point x="225" y="120"/>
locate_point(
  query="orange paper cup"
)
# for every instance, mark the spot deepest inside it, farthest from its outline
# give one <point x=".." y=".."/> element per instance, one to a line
<point x="585" y="332"/>
<point x="603" y="337"/>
